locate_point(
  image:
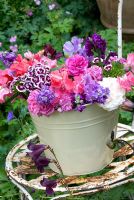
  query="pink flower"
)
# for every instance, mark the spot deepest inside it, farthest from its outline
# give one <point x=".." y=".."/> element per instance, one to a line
<point x="65" y="102"/>
<point x="56" y="79"/>
<point x="127" y="81"/>
<point x="76" y="65"/>
<point x="20" y="66"/>
<point x="49" y="62"/>
<point x="95" y="72"/>
<point x="4" y="92"/>
<point x="130" y="62"/>
<point x="5" y="77"/>
<point x="29" y="55"/>
<point x="36" y="108"/>
<point x="78" y="84"/>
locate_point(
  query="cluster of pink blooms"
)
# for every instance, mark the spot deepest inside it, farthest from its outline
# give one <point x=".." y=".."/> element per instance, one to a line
<point x="78" y="81"/>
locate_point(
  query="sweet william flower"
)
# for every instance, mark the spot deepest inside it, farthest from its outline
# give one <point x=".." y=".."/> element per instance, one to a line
<point x="76" y="65"/>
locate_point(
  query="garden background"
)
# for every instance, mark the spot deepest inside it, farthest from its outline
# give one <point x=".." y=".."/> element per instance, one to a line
<point x="35" y="23"/>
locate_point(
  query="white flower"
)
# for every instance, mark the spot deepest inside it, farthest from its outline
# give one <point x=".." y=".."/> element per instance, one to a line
<point x="117" y="94"/>
<point x="29" y="55"/>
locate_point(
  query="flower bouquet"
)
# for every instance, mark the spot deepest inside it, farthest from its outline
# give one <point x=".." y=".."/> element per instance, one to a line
<point x="73" y="98"/>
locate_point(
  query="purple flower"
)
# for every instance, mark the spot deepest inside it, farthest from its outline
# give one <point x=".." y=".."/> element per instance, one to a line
<point x="99" y="44"/>
<point x="94" y="92"/>
<point x="51" y="53"/>
<point x="80" y="108"/>
<point x="7" y="58"/>
<point x="36" y="153"/>
<point x="49" y="184"/>
<point x="46" y="96"/>
<point x="52" y="6"/>
<point x="73" y="46"/>
<point x="10" y="116"/>
<point x="34" y="147"/>
<point x="29" y="13"/>
<point x="13" y="39"/>
<point x="42" y="162"/>
<point x="14" y="48"/>
<point x="89" y="47"/>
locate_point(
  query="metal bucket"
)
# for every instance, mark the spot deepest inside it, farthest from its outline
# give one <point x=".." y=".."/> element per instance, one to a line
<point x="79" y="140"/>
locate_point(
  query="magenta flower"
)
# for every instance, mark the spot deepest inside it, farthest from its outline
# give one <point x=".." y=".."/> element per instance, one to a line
<point x="29" y="13"/>
<point x="95" y="72"/>
<point x="13" y="39"/>
<point x="49" y="184"/>
<point x="76" y="65"/>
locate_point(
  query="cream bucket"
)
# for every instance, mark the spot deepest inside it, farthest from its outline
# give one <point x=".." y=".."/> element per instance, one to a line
<point x="79" y="140"/>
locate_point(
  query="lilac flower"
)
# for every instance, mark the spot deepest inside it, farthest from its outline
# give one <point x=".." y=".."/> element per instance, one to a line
<point x="13" y="39"/>
<point x="46" y="96"/>
<point x="73" y="46"/>
<point x="42" y="162"/>
<point x="29" y="13"/>
<point x="10" y="116"/>
<point x="14" y="48"/>
<point x="49" y="184"/>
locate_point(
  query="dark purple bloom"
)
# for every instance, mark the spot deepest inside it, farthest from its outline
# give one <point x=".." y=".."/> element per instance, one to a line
<point x="99" y="44"/>
<point x="10" y="116"/>
<point x="89" y="47"/>
<point x="34" y="147"/>
<point x="36" y="153"/>
<point x="49" y="184"/>
<point x="46" y="96"/>
<point x="51" y="53"/>
<point x="42" y="162"/>
<point x="80" y="108"/>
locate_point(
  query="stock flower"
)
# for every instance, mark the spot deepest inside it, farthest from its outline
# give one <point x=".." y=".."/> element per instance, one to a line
<point x="7" y="58"/>
<point x="46" y="96"/>
<point x="13" y="39"/>
<point x="49" y="184"/>
<point x="76" y="65"/>
<point x="116" y="96"/>
<point x="94" y="92"/>
<point x="65" y="102"/>
<point x="10" y="116"/>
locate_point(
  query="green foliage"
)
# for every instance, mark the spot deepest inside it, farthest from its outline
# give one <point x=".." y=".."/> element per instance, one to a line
<point x="117" y="70"/>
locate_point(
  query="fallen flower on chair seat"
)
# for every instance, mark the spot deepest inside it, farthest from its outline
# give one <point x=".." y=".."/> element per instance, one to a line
<point x="49" y="184"/>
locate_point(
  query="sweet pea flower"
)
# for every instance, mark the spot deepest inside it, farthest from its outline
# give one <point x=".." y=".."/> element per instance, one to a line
<point x="5" y="77"/>
<point x="49" y="184"/>
<point x="130" y="62"/>
<point x="14" y="48"/>
<point x="76" y="65"/>
<point x="127" y="81"/>
<point x="4" y="92"/>
<point x="20" y="66"/>
<point x="95" y="72"/>
<point x="116" y="96"/>
<point x="29" y="55"/>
